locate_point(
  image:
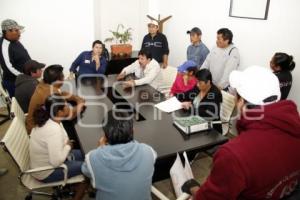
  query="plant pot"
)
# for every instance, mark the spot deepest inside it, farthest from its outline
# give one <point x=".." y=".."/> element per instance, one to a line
<point x="121" y="50"/>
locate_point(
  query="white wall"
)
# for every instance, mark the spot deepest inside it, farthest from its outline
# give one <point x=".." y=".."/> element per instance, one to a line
<point x="130" y="13"/>
<point x="257" y="40"/>
<point x="56" y="31"/>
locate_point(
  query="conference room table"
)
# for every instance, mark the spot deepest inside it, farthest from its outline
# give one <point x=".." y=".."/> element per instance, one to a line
<point x="151" y="126"/>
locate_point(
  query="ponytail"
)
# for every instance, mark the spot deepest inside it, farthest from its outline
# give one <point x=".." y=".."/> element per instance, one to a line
<point x="53" y="104"/>
<point x="41" y="116"/>
<point x="284" y="61"/>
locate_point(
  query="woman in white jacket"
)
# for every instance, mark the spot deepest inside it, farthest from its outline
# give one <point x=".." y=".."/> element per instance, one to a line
<point x="50" y="145"/>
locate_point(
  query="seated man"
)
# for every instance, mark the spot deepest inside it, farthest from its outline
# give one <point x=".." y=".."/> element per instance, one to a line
<point x="90" y="62"/>
<point x="262" y="162"/>
<point x="53" y="78"/>
<point x="120" y="168"/>
<point x="185" y="79"/>
<point x="204" y="99"/>
<point x="27" y="82"/>
<point x="146" y="69"/>
<point x="222" y="59"/>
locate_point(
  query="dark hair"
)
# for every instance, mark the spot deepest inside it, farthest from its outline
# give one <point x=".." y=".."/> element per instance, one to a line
<point x="3" y="33"/>
<point x="204" y="75"/>
<point x="97" y="42"/>
<point x="192" y="69"/>
<point x="53" y="73"/>
<point x="285" y="61"/>
<point x="29" y="70"/>
<point x="118" y="128"/>
<point x="226" y="34"/>
<point x="49" y="109"/>
<point x="146" y="53"/>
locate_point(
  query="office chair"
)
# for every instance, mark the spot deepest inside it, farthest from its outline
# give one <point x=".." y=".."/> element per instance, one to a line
<point x="16" y="142"/>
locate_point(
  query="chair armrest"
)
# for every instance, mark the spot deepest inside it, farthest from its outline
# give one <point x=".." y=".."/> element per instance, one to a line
<point x="184" y="196"/>
<point x="46" y="168"/>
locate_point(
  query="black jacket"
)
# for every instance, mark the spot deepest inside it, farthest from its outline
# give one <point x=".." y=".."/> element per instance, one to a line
<point x="285" y="80"/>
<point x="18" y="56"/>
<point x="158" y="46"/>
<point x="25" y="87"/>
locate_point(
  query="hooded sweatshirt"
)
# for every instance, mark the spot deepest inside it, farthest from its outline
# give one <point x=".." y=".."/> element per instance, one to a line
<point x="263" y="162"/>
<point x="25" y="86"/>
<point x="122" y="171"/>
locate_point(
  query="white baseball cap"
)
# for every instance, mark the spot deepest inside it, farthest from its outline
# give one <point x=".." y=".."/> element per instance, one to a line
<point x="258" y="85"/>
<point x="153" y="22"/>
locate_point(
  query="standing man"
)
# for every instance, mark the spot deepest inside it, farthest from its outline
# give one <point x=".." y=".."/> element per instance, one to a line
<point x="197" y="51"/>
<point x="13" y="55"/>
<point x="157" y="44"/>
<point x="223" y="59"/>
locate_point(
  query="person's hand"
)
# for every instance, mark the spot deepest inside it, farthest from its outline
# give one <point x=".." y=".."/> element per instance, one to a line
<point x="186" y="105"/>
<point x="80" y="106"/>
<point x="164" y="65"/>
<point x="102" y="141"/>
<point x="70" y="143"/>
<point x="121" y="76"/>
<point x="128" y="84"/>
<point x="71" y="76"/>
<point x="190" y="187"/>
<point x="185" y="79"/>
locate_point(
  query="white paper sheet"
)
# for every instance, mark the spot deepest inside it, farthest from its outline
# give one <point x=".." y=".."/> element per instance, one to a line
<point x="169" y="105"/>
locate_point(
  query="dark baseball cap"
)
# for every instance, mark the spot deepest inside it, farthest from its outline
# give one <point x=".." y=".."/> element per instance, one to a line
<point x="194" y="30"/>
<point x="32" y="65"/>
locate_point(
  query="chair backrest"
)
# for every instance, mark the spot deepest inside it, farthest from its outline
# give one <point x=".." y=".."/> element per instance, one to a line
<point x="16" y="110"/>
<point x="169" y="75"/>
<point x="16" y="142"/>
<point x="4" y="95"/>
<point x="227" y="108"/>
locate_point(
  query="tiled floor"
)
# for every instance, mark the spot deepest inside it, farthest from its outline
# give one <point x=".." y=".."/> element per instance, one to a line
<point x="11" y="189"/>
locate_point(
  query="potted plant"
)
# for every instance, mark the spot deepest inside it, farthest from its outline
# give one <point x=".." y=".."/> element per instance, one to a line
<point x="121" y="46"/>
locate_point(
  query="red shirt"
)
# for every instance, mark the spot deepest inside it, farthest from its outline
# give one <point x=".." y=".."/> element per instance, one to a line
<point x="179" y="86"/>
<point x="263" y="162"/>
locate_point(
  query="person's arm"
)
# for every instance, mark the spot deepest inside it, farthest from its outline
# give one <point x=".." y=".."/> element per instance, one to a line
<point x="149" y="76"/>
<point x="166" y="52"/>
<point x="76" y="63"/>
<point x="203" y="56"/>
<point x="103" y="66"/>
<point x="15" y="56"/>
<point x="58" y="150"/>
<point x="226" y="180"/>
<point x="206" y="63"/>
<point x="231" y="64"/>
<point x="128" y="70"/>
<point x="188" y="95"/>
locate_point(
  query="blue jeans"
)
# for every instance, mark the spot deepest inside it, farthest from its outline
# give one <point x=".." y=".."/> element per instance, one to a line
<point x="10" y="87"/>
<point x="74" y="162"/>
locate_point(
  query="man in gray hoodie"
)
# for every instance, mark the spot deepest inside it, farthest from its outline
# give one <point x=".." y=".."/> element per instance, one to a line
<point x="27" y="82"/>
<point x="120" y="168"/>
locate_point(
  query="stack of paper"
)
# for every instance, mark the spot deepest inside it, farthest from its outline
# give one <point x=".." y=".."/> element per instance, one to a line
<point x="169" y="105"/>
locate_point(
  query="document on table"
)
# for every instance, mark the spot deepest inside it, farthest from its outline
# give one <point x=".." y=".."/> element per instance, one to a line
<point x="169" y="105"/>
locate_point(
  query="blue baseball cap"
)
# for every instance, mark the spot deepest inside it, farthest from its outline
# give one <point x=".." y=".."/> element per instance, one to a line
<point x="187" y="64"/>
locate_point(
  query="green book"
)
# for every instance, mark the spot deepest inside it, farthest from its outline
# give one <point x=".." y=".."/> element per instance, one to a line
<point x="191" y="124"/>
